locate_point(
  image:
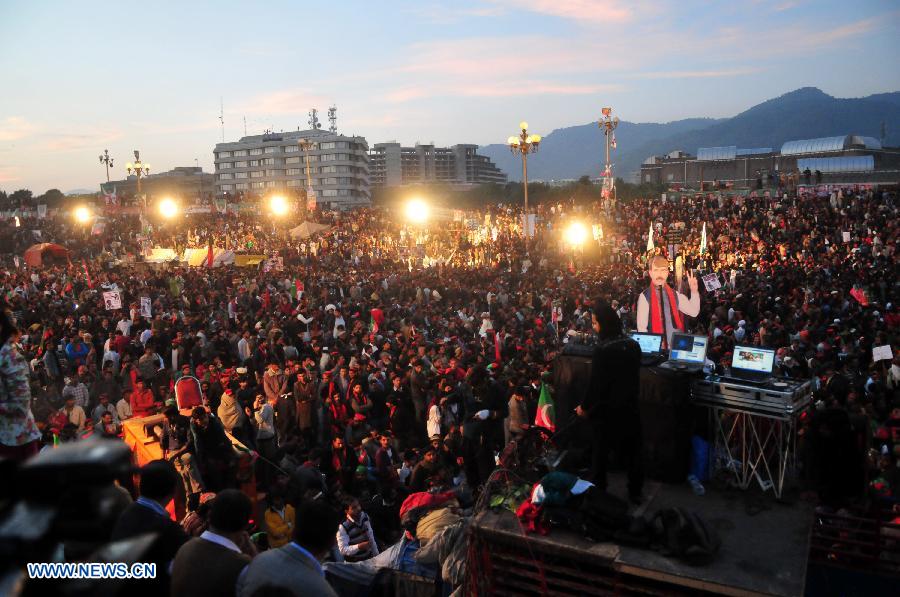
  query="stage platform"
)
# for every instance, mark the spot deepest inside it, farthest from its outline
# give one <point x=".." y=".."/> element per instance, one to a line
<point x="764" y="551"/>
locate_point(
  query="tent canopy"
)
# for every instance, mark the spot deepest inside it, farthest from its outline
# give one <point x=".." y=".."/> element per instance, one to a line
<point x="35" y="254"/>
<point x="306" y="229"/>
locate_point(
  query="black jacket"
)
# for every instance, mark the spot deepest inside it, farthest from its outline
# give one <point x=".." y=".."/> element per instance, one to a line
<point x="137" y="520"/>
<point x="615" y="378"/>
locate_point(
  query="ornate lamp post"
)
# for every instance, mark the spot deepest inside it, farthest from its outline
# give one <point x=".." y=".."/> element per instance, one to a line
<point x="523" y="145"/>
<point x="608" y="123"/>
<point x="139" y="169"/>
<point x="105" y="159"/>
<point x="306" y="145"/>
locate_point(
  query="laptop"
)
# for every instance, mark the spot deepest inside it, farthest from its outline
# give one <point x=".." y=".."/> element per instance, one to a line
<point x="751" y="363"/>
<point x="651" y="347"/>
<point x="687" y="353"/>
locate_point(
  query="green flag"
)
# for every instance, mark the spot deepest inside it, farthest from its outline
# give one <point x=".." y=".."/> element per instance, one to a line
<point x="546" y="411"/>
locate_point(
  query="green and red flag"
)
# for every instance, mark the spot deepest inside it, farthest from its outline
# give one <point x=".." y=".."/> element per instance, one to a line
<point x="546" y="410"/>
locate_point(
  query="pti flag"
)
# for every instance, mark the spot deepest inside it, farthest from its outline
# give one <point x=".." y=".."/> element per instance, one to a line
<point x="650" y="245"/>
<point x="703" y="240"/>
<point x="210" y="254"/>
<point x="546" y="411"/>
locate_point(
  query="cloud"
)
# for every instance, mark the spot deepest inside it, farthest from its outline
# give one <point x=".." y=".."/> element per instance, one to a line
<point x="697" y="74"/>
<point x="287" y="102"/>
<point x="8" y="173"/>
<point x="14" y="128"/>
<point x="441" y="14"/>
<point x="591" y="11"/>
<point x="78" y="139"/>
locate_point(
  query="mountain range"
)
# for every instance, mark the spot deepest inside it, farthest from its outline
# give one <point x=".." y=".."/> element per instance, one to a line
<point x="806" y="113"/>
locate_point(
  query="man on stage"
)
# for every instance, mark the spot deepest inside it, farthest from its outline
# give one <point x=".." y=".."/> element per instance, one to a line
<point x="659" y="307"/>
<point x="611" y="401"/>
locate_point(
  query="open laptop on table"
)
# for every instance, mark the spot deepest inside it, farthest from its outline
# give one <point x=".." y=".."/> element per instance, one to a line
<point x="687" y="353"/>
<point x="751" y="363"/>
<point x="651" y="347"/>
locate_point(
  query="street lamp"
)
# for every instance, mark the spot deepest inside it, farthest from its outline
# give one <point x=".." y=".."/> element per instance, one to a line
<point x="608" y="123"/>
<point x="278" y="205"/>
<point x="523" y="145"/>
<point x="139" y="168"/>
<point x="105" y="159"/>
<point x="576" y="234"/>
<point x="82" y="214"/>
<point x="306" y="145"/>
<point x="417" y="211"/>
<point x="168" y="208"/>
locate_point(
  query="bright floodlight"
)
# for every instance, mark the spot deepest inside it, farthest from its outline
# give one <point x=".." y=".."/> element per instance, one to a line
<point x="168" y="208"/>
<point x="278" y="205"/>
<point x="417" y="211"/>
<point x="576" y="234"/>
<point x="82" y="214"/>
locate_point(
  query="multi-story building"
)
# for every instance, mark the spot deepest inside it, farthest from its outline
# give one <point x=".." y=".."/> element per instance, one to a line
<point x="183" y="181"/>
<point x="846" y="159"/>
<point x="260" y="164"/>
<point x="390" y="164"/>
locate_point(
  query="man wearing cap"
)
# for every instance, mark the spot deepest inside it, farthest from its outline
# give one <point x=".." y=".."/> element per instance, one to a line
<point x="660" y="307"/>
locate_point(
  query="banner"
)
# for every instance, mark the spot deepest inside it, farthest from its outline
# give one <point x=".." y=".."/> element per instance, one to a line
<point x="845" y="235"/>
<point x="42" y="211"/>
<point x="146" y="309"/>
<point x="882" y="353"/>
<point x="711" y="281"/>
<point x="112" y="300"/>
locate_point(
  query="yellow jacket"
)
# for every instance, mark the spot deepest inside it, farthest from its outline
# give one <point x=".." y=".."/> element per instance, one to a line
<point x="280" y="529"/>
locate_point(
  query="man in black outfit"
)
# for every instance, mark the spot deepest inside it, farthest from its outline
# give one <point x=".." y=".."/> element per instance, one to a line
<point x="611" y="401"/>
<point x="147" y="514"/>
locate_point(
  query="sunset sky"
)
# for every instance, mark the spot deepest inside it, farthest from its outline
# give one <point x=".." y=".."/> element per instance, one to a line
<point x="80" y="77"/>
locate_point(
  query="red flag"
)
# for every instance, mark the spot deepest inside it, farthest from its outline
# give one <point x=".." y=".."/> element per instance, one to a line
<point x="87" y="274"/>
<point x="209" y="254"/>
<point x="497" y="347"/>
<point x="860" y="296"/>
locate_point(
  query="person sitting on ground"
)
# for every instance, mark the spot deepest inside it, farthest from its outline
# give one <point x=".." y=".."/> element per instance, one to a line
<point x="355" y="538"/>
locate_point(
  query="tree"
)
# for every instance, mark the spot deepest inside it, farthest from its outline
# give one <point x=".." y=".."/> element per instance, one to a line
<point x="4" y="199"/>
<point x="52" y="198"/>
<point x="20" y="197"/>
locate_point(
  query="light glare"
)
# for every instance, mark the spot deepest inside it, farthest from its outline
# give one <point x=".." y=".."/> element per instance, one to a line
<point x="417" y="211"/>
<point x="82" y="214"/>
<point x="576" y="234"/>
<point x="278" y="205"/>
<point x="168" y="208"/>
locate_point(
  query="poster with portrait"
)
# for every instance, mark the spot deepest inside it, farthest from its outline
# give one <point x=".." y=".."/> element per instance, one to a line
<point x="112" y="300"/>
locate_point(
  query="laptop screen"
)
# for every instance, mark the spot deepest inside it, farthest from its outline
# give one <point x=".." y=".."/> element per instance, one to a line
<point x="687" y="348"/>
<point x="750" y="358"/>
<point x="650" y="343"/>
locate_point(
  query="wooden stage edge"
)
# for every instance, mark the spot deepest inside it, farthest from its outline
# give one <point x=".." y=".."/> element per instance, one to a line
<point x="761" y="554"/>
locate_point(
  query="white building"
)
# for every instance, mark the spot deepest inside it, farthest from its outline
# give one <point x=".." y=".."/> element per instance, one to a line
<point x="259" y="164"/>
<point x="391" y="164"/>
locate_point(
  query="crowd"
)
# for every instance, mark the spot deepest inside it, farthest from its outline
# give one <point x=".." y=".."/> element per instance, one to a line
<point x="378" y="359"/>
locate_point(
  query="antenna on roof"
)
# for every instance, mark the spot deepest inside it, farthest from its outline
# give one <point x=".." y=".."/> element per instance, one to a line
<point x="222" y="116"/>
<point x="332" y="118"/>
<point x="245" y="126"/>
<point x="314" y="119"/>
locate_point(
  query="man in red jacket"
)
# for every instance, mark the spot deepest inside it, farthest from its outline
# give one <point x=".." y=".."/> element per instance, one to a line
<point x="143" y="404"/>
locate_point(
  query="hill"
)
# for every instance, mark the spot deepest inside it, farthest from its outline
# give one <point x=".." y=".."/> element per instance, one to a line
<point x="802" y="114"/>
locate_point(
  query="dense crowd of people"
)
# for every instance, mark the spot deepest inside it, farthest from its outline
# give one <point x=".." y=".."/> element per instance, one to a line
<point x="379" y="359"/>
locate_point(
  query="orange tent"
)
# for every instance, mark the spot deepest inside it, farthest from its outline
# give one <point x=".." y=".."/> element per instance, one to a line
<point x="35" y="255"/>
